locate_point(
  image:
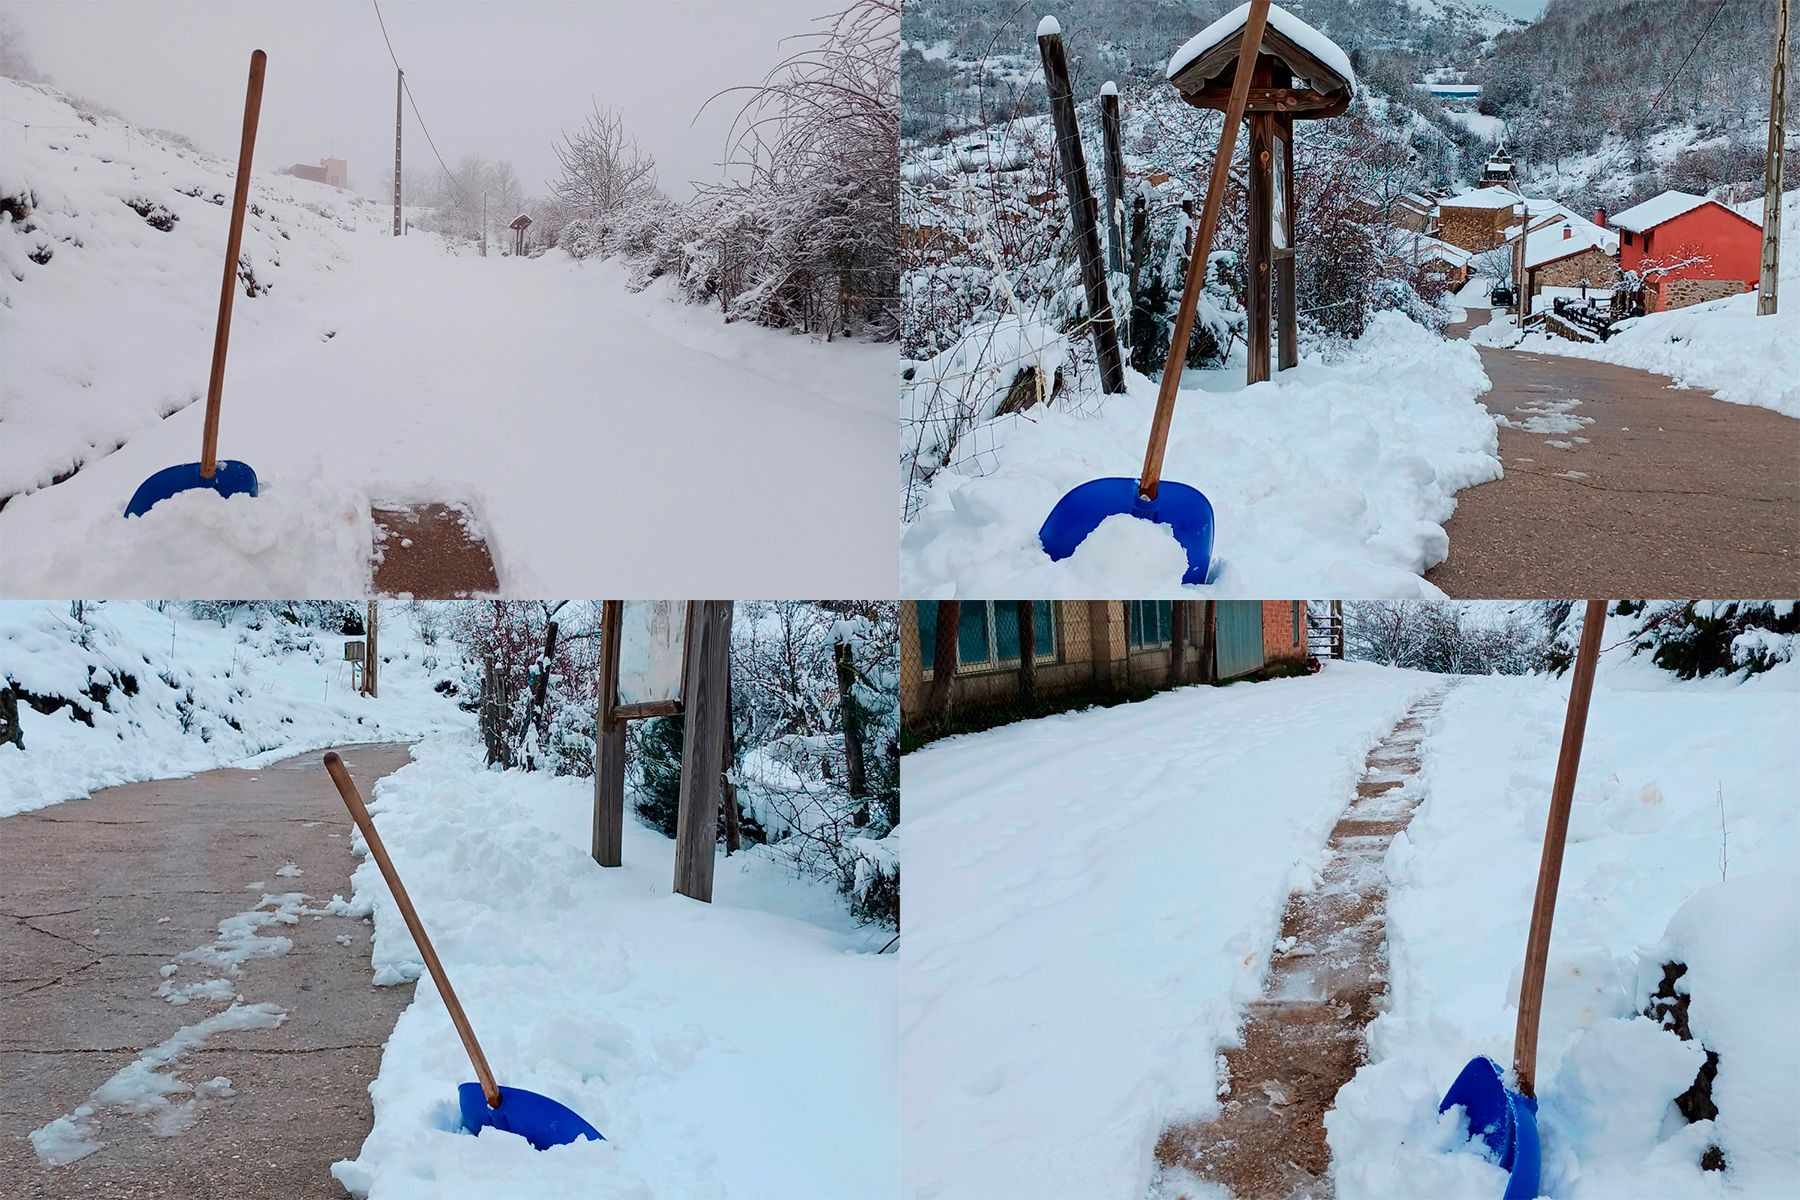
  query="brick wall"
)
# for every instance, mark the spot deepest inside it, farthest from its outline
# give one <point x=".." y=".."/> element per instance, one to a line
<point x="1679" y="293"/>
<point x="1473" y="229"/>
<point x="1596" y="266"/>
<point x="1279" y="644"/>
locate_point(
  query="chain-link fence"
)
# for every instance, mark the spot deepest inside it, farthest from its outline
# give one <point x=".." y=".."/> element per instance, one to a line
<point x="1081" y="653"/>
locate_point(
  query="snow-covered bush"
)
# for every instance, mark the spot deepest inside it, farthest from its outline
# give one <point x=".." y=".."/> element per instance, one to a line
<point x="1698" y="638"/>
<point x="1481" y="638"/>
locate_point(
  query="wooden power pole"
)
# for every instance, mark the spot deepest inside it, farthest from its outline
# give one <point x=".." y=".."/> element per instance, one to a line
<point x="399" y="86"/>
<point x="1771" y="248"/>
<point x="1081" y="206"/>
<point x="371" y="655"/>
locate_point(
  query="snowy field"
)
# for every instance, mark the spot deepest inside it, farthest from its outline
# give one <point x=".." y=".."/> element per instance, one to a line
<point x="608" y="442"/>
<point x="1091" y="896"/>
<point x="1722" y="346"/>
<point x="742" y="1048"/>
<point x="188" y="695"/>
<point x="1331" y="477"/>
<point x="1101" y="892"/>
<point x="1683" y="845"/>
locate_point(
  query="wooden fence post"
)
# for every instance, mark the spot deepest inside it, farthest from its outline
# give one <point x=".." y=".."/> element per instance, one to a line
<point x="1209" y="644"/>
<point x="1115" y="177"/>
<point x="1081" y="205"/>
<point x="371" y="658"/>
<point x="1177" y="640"/>
<point x="1027" y="653"/>
<point x="609" y="746"/>
<point x="704" y="694"/>
<point x="1260" y="237"/>
<point x="943" y="663"/>
<point x="1286" y="311"/>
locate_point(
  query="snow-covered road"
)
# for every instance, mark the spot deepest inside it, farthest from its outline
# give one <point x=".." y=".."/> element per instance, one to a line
<point x="609" y="442"/>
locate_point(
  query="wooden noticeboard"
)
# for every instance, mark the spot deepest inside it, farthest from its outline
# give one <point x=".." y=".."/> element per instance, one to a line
<point x="643" y="658"/>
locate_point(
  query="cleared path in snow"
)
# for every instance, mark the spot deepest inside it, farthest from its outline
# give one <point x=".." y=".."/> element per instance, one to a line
<point x="1304" y="1038"/>
<point x="1619" y="483"/>
<point x="97" y="895"/>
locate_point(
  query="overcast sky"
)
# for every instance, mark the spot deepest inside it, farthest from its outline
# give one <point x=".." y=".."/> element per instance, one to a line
<point x="498" y="78"/>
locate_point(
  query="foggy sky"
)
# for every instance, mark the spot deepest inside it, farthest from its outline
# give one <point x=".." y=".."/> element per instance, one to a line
<point x="499" y="78"/>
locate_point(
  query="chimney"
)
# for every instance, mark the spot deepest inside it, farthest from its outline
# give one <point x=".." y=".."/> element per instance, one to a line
<point x="1600" y="217"/>
<point x="1568" y="231"/>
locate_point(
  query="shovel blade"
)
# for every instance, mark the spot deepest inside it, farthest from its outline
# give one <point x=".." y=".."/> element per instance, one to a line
<point x="1502" y="1118"/>
<point x="230" y="478"/>
<point x="1182" y="508"/>
<point x="538" y="1119"/>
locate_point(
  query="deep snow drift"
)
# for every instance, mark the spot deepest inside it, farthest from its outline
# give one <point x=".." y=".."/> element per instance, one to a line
<point x="742" y="1048"/>
<point x="1335" y="477"/>
<point x="608" y="441"/>
<point x="1090" y="897"/>
<point x="184" y="695"/>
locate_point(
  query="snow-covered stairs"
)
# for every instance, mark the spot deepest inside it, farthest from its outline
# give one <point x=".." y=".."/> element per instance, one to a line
<point x="1303" y="1039"/>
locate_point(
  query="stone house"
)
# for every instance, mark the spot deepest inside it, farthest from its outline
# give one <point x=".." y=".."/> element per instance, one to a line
<point x="1479" y="219"/>
<point x="1570" y="252"/>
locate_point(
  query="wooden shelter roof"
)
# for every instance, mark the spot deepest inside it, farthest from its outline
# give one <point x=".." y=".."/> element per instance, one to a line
<point x="1311" y="77"/>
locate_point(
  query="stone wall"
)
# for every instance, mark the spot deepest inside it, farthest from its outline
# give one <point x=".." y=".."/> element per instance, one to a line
<point x="1679" y="293"/>
<point x="1473" y="229"/>
<point x="1599" y="268"/>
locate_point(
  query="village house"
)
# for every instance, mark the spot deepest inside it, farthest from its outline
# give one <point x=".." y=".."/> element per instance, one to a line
<point x="1567" y="253"/>
<point x="1688" y="249"/>
<point x="334" y="171"/>
<point x="1479" y="219"/>
<point x="1411" y="212"/>
<point x="1095" y="649"/>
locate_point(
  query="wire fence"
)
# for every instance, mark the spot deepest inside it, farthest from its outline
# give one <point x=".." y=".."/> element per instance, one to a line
<point x="1010" y="660"/>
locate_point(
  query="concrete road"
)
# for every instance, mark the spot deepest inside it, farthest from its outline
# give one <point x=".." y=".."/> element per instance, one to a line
<point x="1620" y="484"/>
<point x="97" y="895"/>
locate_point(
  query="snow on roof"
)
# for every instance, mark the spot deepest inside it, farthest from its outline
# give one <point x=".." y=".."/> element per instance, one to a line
<point x="1430" y="247"/>
<point x="1559" y="239"/>
<point x="1285" y="22"/>
<point x="1487" y="197"/>
<point x="1656" y="210"/>
<point x="1049" y="27"/>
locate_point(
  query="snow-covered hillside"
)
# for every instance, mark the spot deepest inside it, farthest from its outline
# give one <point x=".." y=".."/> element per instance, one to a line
<point x="740" y="1048"/>
<point x="700" y="457"/>
<point x="128" y="691"/>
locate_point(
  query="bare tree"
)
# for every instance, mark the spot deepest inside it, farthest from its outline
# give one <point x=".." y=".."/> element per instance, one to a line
<point x="604" y="170"/>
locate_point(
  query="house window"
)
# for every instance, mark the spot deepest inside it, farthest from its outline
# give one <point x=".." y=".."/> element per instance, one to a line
<point x="1149" y="623"/>
<point x="987" y="636"/>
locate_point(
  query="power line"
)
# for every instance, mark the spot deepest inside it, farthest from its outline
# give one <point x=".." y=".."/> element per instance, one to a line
<point x="420" y="117"/>
<point x="1670" y="82"/>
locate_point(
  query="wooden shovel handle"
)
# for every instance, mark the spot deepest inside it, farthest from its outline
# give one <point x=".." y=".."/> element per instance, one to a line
<point x="1151" y="478"/>
<point x="215" y="388"/>
<point x="1556" y="832"/>
<point x="360" y="814"/>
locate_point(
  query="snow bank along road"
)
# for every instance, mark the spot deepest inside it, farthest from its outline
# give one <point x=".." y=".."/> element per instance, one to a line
<point x="165" y="970"/>
<point x="606" y="442"/>
<point x="1619" y="483"/>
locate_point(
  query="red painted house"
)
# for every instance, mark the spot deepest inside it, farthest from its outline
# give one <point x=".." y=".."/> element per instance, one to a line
<point x="1657" y="236"/>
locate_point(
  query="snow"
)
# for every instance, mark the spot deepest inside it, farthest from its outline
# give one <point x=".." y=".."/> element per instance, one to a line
<point x="1486" y="197"/>
<point x="1109" y="88"/>
<point x="742" y="1048"/>
<point x="1330" y="477"/>
<point x="1092" y="897"/>
<point x="1658" y="209"/>
<point x="1287" y="24"/>
<point x="399" y="369"/>
<point x="1559" y="239"/>
<point x="1049" y="27"/>
<point x="286" y="690"/>
<point x="1680" y="785"/>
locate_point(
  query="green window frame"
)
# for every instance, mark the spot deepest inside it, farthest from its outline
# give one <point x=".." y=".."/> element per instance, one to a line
<point x="1149" y="623"/>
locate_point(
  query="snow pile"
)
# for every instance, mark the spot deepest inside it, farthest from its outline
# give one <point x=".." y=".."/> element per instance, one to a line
<point x="135" y="693"/>
<point x="1682" y="848"/>
<point x="742" y="1048"/>
<point x="1722" y="346"/>
<point x="1102" y="889"/>
<point x="1336" y="477"/>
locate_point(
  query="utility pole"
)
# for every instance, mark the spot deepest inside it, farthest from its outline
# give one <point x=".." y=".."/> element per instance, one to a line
<point x="399" y="86"/>
<point x="371" y="656"/>
<point x="1771" y="250"/>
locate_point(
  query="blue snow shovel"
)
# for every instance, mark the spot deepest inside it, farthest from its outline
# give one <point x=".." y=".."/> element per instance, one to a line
<point x="1506" y="1117"/>
<point x="1181" y="507"/>
<point x="538" y="1119"/>
<point x="229" y="478"/>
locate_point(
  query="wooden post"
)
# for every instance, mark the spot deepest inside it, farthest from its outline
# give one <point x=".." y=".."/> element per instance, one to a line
<point x="1140" y="249"/>
<point x="609" y="746"/>
<point x="1081" y="206"/>
<point x="704" y="691"/>
<point x="1177" y="639"/>
<point x="1260" y="240"/>
<point x="371" y="656"/>
<point x="1286" y="313"/>
<point x="1209" y="645"/>
<point x="728" y="801"/>
<point x="1556" y="833"/>
<point x="855" y="775"/>
<point x="1027" y="653"/>
<point x="1115" y="178"/>
<point x="399" y="86"/>
<point x="1772" y="170"/>
<point x="1337" y="629"/>
<point x="943" y="662"/>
